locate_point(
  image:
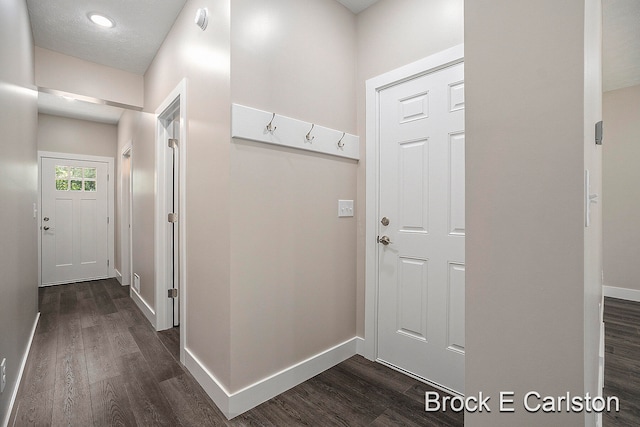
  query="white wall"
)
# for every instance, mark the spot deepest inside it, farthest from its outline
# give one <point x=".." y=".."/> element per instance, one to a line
<point x="54" y="70"/>
<point x="390" y="34"/>
<point x="529" y="103"/>
<point x="18" y="191"/>
<point x="621" y="109"/>
<point x="293" y="275"/>
<point x="65" y="135"/>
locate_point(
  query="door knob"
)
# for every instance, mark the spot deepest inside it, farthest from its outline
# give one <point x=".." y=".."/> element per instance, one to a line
<point x="46" y="228"/>
<point x="385" y="221"/>
<point x="385" y="240"/>
<point x="46" y="218"/>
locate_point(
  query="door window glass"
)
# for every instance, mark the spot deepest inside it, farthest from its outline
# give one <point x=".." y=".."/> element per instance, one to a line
<point x="76" y="179"/>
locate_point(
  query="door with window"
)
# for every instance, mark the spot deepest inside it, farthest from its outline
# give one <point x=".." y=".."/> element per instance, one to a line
<point x="422" y="227"/>
<point x="74" y="220"/>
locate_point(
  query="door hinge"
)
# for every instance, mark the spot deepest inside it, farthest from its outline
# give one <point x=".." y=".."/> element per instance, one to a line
<point x="173" y="143"/>
<point x="173" y="293"/>
<point x="107" y="263"/>
<point x="172" y="217"/>
<point x="107" y="177"/>
<point x="108" y="220"/>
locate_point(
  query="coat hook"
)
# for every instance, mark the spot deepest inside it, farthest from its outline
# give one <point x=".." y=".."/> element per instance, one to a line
<point x="340" y="143"/>
<point x="309" y="137"/>
<point x="270" y="127"/>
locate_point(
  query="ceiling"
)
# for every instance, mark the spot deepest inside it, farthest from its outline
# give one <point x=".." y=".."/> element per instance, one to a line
<point x="142" y="25"/>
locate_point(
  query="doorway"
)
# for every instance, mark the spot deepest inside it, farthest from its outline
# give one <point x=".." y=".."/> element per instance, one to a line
<point x="76" y="211"/>
<point x="170" y="224"/>
<point x="416" y="220"/>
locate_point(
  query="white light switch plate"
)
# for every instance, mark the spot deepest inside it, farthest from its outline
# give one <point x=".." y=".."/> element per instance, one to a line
<point x="345" y="208"/>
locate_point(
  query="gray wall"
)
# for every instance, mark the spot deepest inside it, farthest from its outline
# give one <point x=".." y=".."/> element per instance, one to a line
<point x="65" y="135"/>
<point x="18" y="191"/>
<point x="621" y="110"/>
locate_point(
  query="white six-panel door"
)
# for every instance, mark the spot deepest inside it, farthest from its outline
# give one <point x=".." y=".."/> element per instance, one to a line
<point x="74" y="221"/>
<point x="422" y="271"/>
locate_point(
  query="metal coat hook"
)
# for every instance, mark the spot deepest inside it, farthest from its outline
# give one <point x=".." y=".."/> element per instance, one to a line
<point x="340" y="143"/>
<point x="309" y="137"/>
<point x="270" y="127"/>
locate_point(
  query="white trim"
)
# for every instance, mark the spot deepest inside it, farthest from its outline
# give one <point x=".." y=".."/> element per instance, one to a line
<point x="127" y="152"/>
<point x="118" y="276"/>
<point x="23" y="364"/>
<point x="146" y="309"/>
<point x="360" y="346"/>
<point x="234" y="404"/>
<point x="164" y="310"/>
<point x="622" y="293"/>
<point x="110" y="204"/>
<point x="374" y="85"/>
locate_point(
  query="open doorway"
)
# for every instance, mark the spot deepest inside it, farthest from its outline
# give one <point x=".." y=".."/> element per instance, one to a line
<point x="170" y="219"/>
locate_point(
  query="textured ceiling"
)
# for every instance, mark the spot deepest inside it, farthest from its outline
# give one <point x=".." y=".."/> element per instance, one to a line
<point x="141" y="26"/>
<point x="620" y="44"/>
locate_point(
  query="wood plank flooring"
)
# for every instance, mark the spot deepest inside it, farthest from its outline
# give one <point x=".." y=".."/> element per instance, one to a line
<point x="96" y="361"/>
<point x="622" y="361"/>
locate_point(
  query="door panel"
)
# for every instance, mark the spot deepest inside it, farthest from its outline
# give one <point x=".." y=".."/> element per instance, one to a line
<point x="74" y="221"/>
<point x="421" y="276"/>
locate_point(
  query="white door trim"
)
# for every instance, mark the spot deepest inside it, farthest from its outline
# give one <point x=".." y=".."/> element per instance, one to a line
<point x="164" y="310"/>
<point x="126" y="152"/>
<point x="110" y="203"/>
<point x="374" y="85"/>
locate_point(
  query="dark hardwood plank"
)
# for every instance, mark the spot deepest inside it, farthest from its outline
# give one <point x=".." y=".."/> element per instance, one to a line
<point x="34" y="410"/>
<point x="68" y="301"/>
<point x="101" y="363"/>
<point x="190" y="404"/>
<point x="120" y="338"/>
<point x="164" y="365"/>
<point x="115" y="289"/>
<point x="88" y="311"/>
<point x="70" y="334"/>
<point x="171" y="340"/>
<point x="130" y="312"/>
<point x="149" y="405"/>
<point x="39" y="374"/>
<point x="103" y="301"/>
<point x="72" y="402"/>
<point x="110" y="403"/>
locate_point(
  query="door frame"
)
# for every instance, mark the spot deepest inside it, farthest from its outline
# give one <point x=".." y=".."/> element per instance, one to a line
<point x="111" y="272"/>
<point x="127" y="152"/>
<point x="164" y="310"/>
<point x="374" y="86"/>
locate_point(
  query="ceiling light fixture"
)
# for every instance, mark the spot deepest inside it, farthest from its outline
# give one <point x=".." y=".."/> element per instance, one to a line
<point x="101" y="20"/>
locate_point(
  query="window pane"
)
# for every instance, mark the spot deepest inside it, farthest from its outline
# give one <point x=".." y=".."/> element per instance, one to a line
<point x="76" y="185"/>
<point x="61" y="172"/>
<point x="89" y="172"/>
<point x="89" y="186"/>
<point x="62" y="184"/>
<point x="76" y="173"/>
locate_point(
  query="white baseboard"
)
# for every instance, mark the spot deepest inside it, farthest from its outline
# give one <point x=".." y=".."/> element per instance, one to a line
<point x="23" y="364"/>
<point x="118" y="275"/>
<point x="234" y="404"/>
<point x="146" y="309"/>
<point x="622" y="293"/>
<point x="360" y="346"/>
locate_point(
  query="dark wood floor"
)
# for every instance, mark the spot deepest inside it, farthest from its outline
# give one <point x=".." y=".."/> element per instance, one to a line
<point x="622" y="360"/>
<point x="95" y="360"/>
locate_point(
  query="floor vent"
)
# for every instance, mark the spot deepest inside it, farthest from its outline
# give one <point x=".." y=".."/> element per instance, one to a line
<point x="136" y="282"/>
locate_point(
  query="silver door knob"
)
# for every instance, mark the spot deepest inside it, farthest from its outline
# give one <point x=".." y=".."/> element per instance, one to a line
<point x="385" y="221"/>
<point x="385" y="240"/>
<point x="45" y="228"/>
<point x="46" y="218"/>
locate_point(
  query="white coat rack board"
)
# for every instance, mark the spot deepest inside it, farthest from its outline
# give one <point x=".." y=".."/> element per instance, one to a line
<point x="272" y="128"/>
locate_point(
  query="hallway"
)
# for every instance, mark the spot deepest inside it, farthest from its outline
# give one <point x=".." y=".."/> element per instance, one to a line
<point x="95" y="360"/>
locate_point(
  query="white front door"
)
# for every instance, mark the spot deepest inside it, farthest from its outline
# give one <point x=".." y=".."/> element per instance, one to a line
<point x="74" y="221"/>
<point x="422" y="270"/>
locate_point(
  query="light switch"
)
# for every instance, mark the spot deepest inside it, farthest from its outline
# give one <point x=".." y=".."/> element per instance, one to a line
<point x="345" y="208"/>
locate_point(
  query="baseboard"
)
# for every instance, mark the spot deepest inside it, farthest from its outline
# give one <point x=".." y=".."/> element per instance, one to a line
<point x="622" y="293"/>
<point x="23" y="364"/>
<point x="118" y="275"/>
<point x="360" y="346"/>
<point x="249" y="397"/>
<point x="146" y="309"/>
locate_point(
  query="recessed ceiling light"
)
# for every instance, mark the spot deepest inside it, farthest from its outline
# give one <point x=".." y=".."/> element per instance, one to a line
<point x="101" y="20"/>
